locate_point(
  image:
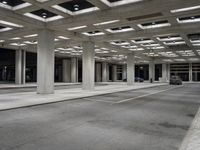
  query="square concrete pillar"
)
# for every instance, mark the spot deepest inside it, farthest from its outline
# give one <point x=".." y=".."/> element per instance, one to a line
<point x="66" y="70"/>
<point x="124" y="72"/>
<point x="164" y="72"/>
<point x="45" y="62"/>
<point x="151" y="71"/>
<point x="88" y="63"/>
<point x="190" y="72"/>
<point x="74" y="70"/>
<point x="20" y="67"/>
<point x="114" y="73"/>
<point x="98" y="72"/>
<point x="130" y="69"/>
<point x="104" y="72"/>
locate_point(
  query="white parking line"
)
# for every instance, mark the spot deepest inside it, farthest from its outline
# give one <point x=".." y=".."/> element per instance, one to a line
<point x="95" y="100"/>
<point x="129" y="99"/>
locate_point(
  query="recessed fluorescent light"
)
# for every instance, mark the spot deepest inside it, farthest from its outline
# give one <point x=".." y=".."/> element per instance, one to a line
<point x="175" y="43"/>
<point x="185" y="9"/>
<point x="189" y="19"/>
<point x="123" y="2"/>
<point x="137" y="49"/>
<point x="88" y="34"/>
<point x="119" y="31"/>
<point x="21" y="6"/>
<point x="154" y="26"/>
<point x="5" y="29"/>
<point x="106" y="22"/>
<point x="169" y="38"/>
<point x="63" y="37"/>
<point x="75" y="28"/>
<point x="2" y="41"/>
<point x="15" y="38"/>
<point x="17" y="44"/>
<point x="32" y="35"/>
<point x="196" y="44"/>
<point x="30" y="42"/>
<point x="10" y="24"/>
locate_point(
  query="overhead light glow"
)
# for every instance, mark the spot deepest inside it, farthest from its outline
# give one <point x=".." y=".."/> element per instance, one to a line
<point x="76" y="28"/>
<point x="154" y="26"/>
<point x="106" y="22"/>
<point x="32" y="35"/>
<point x="10" y="24"/>
<point x="185" y="9"/>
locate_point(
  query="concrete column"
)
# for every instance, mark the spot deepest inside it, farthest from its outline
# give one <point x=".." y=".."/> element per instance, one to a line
<point x="168" y="72"/>
<point x="130" y="69"/>
<point x="20" y="67"/>
<point x="66" y="70"/>
<point x="74" y="70"/>
<point x="104" y="72"/>
<point x="88" y="63"/>
<point x="114" y="73"/>
<point x="98" y="72"/>
<point x="124" y="72"/>
<point x="164" y="72"/>
<point x="108" y="72"/>
<point x="190" y="72"/>
<point x="45" y="62"/>
<point x="151" y="71"/>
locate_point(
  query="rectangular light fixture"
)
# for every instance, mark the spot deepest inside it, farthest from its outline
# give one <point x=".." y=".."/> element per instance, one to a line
<point x="10" y="24"/>
<point x="5" y="29"/>
<point x="31" y="35"/>
<point x="123" y="2"/>
<point x="76" y="28"/>
<point x="154" y="26"/>
<point x="106" y="22"/>
<point x="63" y="37"/>
<point x="185" y="9"/>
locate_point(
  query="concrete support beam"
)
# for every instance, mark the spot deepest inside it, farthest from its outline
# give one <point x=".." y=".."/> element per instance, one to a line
<point x="66" y="70"/>
<point x="74" y="70"/>
<point x="130" y="69"/>
<point x="98" y="72"/>
<point x="168" y="72"/>
<point x="104" y="72"/>
<point x="45" y="62"/>
<point x="20" y="67"/>
<point x="114" y="73"/>
<point x="88" y="65"/>
<point x="152" y="71"/>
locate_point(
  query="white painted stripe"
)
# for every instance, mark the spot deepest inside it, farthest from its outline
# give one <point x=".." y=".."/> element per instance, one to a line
<point x="129" y="99"/>
<point x="95" y="100"/>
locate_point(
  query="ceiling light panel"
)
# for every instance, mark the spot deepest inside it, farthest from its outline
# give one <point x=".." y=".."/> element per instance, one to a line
<point x="93" y="33"/>
<point x="76" y="7"/>
<point x="142" y="41"/>
<point x="189" y="19"/>
<point x="169" y="38"/>
<point x="156" y="24"/>
<point x="106" y="22"/>
<point x="113" y="3"/>
<point x="120" y="29"/>
<point x="185" y="9"/>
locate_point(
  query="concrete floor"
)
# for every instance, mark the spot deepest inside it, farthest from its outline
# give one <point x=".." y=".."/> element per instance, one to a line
<point x="149" y="121"/>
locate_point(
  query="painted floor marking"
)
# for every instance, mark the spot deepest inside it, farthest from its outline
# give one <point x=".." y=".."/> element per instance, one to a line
<point x="129" y="99"/>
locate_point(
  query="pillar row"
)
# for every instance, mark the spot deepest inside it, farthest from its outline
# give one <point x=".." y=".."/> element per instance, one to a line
<point x="74" y="69"/>
<point x="66" y="70"/>
<point x="114" y="73"/>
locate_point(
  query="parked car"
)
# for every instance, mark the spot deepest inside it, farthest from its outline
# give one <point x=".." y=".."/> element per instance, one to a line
<point x="175" y="80"/>
<point x="137" y="79"/>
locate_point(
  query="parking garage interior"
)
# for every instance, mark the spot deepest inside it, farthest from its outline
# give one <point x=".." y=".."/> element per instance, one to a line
<point x="99" y="74"/>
